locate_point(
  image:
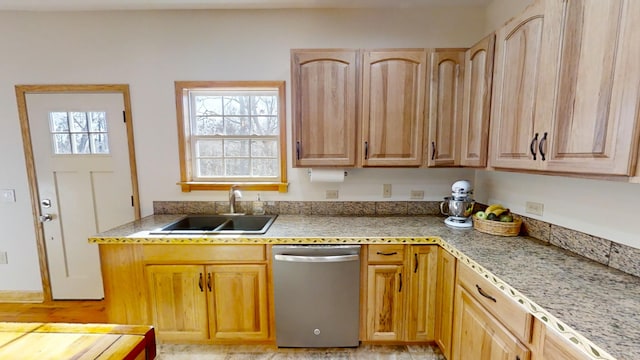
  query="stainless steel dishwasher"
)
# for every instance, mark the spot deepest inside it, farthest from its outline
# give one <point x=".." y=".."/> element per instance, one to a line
<point x="317" y="295"/>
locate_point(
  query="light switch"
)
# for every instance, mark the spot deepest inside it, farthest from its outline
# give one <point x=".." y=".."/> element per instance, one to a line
<point x="7" y="195"/>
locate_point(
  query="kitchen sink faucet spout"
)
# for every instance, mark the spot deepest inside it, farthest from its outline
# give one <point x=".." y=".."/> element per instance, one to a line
<point x="234" y="194"/>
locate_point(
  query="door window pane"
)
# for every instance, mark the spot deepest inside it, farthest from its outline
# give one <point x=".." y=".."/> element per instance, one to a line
<point x="74" y="132"/>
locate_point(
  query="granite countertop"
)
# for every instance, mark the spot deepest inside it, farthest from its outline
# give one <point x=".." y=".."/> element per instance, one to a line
<point x="586" y="302"/>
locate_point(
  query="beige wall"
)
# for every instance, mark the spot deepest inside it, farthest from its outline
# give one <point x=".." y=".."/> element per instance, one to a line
<point x="151" y="50"/>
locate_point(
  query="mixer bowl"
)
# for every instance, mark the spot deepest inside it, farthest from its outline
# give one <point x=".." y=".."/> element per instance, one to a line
<point x="457" y="208"/>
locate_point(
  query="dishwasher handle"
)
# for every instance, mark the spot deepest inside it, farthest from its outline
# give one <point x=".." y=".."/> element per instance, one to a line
<point x="316" y="259"/>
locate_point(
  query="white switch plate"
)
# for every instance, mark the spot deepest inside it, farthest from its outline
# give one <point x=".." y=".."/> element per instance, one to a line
<point x="3" y="257"/>
<point x="386" y="190"/>
<point x="417" y="194"/>
<point x="534" y="208"/>
<point x="331" y="194"/>
<point x="7" y="195"/>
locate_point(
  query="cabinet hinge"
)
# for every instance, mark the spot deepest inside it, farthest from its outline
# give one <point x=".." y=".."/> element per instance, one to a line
<point x="132" y="201"/>
<point x="124" y="116"/>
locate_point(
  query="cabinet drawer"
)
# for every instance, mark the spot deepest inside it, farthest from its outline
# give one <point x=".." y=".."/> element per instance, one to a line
<point x="386" y="253"/>
<point x="510" y="313"/>
<point x="203" y="253"/>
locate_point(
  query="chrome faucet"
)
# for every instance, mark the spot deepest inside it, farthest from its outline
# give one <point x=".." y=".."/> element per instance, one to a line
<point x="234" y="194"/>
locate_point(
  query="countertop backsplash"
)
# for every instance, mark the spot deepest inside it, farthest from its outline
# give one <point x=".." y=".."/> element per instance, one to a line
<point x="604" y="251"/>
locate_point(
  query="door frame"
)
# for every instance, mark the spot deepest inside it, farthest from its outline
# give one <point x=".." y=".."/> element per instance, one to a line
<point x="21" y="97"/>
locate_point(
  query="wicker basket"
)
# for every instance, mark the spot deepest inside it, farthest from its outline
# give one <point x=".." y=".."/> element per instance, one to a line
<point x="497" y="227"/>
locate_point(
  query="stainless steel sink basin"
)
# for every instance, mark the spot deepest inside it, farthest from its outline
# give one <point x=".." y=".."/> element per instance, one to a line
<point x="218" y="225"/>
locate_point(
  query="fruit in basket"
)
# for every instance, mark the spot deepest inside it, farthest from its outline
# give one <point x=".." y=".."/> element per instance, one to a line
<point x="506" y="217"/>
<point x="492" y="216"/>
<point x="481" y="215"/>
<point x="497" y="210"/>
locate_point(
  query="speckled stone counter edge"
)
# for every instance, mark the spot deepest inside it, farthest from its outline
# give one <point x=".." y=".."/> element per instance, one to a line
<point x="593" y="351"/>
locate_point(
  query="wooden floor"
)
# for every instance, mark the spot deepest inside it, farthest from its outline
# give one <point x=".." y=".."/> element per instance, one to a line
<point x="54" y="311"/>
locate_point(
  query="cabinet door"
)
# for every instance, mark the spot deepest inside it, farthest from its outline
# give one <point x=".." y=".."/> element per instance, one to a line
<point x="324" y="107"/>
<point x="238" y="303"/>
<point x="514" y="131"/>
<point x="385" y="302"/>
<point x="479" y="336"/>
<point x="178" y="301"/>
<point x="551" y="345"/>
<point x="421" y="299"/>
<point x="393" y="96"/>
<point x="476" y="108"/>
<point x="598" y="80"/>
<point x="445" y="286"/>
<point x="445" y="107"/>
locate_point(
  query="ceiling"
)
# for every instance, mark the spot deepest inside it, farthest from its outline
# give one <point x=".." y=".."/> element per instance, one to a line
<point x="94" y="5"/>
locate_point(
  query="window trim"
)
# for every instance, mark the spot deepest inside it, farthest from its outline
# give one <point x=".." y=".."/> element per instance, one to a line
<point x="184" y="136"/>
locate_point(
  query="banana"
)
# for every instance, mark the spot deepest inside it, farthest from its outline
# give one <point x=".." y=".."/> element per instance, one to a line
<point x="499" y="212"/>
<point x="491" y="208"/>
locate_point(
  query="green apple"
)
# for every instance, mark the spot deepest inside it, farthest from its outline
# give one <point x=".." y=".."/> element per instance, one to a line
<point x="481" y="215"/>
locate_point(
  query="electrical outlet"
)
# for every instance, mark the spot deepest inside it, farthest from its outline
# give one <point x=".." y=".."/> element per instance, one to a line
<point x="3" y="257"/>
<point x="534" y="208"/>
<point x="417" y="194"/>
<point x="386" y="190"/>
<point x="7" y="195"/>
<point x="331" y="194"/>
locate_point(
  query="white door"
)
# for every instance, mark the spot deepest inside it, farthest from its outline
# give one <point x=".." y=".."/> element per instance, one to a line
<point x="81" y="158"/>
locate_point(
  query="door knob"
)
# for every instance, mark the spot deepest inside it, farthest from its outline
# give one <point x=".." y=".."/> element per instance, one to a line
<point x="46" y="217"/>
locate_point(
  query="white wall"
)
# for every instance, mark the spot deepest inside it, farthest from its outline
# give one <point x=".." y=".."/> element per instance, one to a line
<point x="602" y="208"/>
<point x="151" y="50"/>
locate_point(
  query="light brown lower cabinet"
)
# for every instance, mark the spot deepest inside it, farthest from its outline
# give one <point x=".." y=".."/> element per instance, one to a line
<point x="209" y="302"/>
<point x="401" y="291"/>
<point x="479" y="335"/>
<point x="445" y="290"/>
<point x="552" y="346"/>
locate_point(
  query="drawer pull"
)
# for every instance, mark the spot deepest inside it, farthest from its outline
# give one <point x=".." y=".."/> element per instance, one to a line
<point x="415" y="268"/>
<point x="200" y="283"/>
<point x="209" y="281"/>
<point x="485" y="294"/>
<point x="387" y="254"/>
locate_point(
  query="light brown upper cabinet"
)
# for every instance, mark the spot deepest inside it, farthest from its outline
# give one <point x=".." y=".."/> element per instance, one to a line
<point x="324" y="105"/>
<point x="594" y="120"/>
<point x="476" y="108"/>
<point x="515" y="80"/>
<point x="567" y="88"/>
<point x="445" y="107"/>
<point x="393" y="96"/>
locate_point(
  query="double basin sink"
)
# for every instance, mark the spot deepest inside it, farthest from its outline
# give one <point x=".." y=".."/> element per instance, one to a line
<point x="218" y="225"/>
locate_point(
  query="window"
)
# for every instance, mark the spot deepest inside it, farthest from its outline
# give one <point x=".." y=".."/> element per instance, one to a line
<point x="79" y="133"/>
<point x="231" y="133"/>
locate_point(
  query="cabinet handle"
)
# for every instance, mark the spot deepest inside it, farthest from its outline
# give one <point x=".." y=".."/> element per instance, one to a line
<point x="415" y="268"/>
<point x="485" y="294"/>
<point x="387" y="254"/>
<point x="517" y="357"/>
<point x="366" y="150"/>
<point x="400" y="287"/>
<point x="297" y="150"/>
<point x="209" y="281"/>
<point x="433" y="150"/>
<point x="532" y="146"/>
<point x="200" y="283"/>
<point x="541" y="145"/>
